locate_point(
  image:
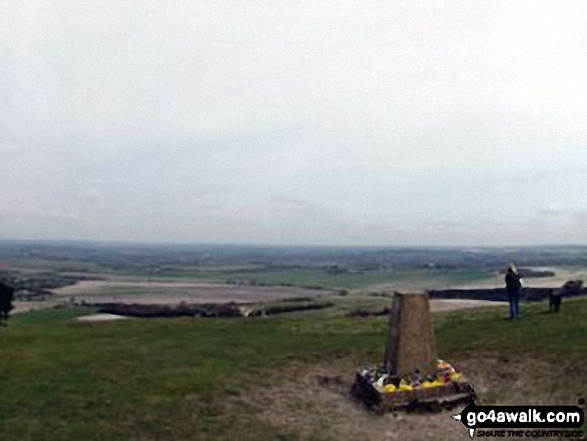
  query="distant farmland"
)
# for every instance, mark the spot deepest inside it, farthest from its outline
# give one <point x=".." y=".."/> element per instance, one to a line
<point x="175" y="292"/>
<point x="313" y="278"/>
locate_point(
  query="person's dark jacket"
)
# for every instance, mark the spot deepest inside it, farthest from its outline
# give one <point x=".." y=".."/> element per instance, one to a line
<point x="513" y="284"/>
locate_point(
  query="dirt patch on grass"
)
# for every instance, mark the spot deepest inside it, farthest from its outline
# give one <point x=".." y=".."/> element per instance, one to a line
<point x="315" y="403"/>
<point x="512" y="379"/>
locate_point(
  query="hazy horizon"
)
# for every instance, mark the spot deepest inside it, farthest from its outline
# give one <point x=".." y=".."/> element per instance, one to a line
<point x="131" y="243"/>
<point x="333" y="124"/>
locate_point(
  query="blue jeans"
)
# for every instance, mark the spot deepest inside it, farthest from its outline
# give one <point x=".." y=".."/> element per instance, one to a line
<point x="514" y="299"/>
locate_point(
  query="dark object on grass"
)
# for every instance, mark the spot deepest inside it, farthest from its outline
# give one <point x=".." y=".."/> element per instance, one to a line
<point x="554" y="300"/>
<point x="6" y="298"/>
<point x="363" y="390"/>
<point x="569" y="289"/>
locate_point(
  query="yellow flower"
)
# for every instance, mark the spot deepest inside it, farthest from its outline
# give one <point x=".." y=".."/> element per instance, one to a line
<point x="389" y="388"/>
<point x="455" y="376"/>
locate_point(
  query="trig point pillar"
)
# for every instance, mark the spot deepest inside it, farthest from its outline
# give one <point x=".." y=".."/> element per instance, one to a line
<point x="411" y="344"/>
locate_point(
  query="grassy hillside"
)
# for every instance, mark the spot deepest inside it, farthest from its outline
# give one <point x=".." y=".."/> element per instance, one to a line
<point x="254" y="378"/>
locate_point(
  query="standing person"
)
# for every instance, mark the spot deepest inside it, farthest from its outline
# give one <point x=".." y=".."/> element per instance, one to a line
<point x="513" y="287"/>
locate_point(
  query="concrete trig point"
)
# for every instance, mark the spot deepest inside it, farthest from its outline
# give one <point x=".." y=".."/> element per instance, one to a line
<point x="411" y="347"/>
<point x="411" y="344"/>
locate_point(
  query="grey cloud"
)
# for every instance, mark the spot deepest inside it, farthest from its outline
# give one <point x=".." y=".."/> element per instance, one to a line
<point x="298" y="206"/>
<point x="8" y="148"/>
<point x="552" y="212"/>
<point x="306" y="122"/>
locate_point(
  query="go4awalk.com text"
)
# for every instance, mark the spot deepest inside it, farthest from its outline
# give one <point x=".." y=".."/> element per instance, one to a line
<point x="523" y="421"/>
<point x="536" y="433"/>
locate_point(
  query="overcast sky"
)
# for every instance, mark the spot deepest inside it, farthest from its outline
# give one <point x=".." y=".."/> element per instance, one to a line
<point x="329" y="122"/>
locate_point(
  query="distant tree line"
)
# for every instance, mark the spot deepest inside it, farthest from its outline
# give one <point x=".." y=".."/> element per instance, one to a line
<point x="38" y="283"/>
<point x="6" y="298"/>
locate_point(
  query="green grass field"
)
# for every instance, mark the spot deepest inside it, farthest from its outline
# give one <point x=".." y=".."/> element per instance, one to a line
<point x="198" y="378"/>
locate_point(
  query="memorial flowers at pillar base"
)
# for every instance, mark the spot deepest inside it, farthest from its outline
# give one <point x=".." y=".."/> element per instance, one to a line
<point x="381" y="390"/>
